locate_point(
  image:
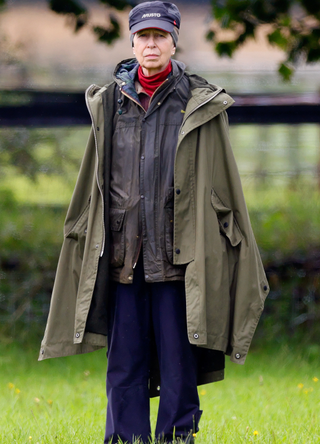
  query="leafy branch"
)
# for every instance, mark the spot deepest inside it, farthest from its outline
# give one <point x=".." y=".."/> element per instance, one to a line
<point x="293" y="26"/>
<point x="79" y="17"/>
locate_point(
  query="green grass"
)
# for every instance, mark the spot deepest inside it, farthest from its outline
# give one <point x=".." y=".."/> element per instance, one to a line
<point x="63" y="400"/>
<point x="285" y="220"/>
<point x="46" y="190"/>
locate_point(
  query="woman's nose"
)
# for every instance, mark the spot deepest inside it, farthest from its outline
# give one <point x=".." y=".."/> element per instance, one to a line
<point x="151" y="43"/>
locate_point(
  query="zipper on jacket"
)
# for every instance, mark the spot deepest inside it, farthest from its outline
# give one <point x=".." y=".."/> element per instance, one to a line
<point x="131" y="98"/>
<point x="158" y="89"/>
<point x="97" y="168"/>
<point x="135" y="101"/>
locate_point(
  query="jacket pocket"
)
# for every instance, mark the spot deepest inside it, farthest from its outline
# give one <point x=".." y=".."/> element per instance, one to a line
<point x="79" y="230"/>
<point x="117" y="234"/>
<point x="227" y="222"/>
<point x="168" y="210"/>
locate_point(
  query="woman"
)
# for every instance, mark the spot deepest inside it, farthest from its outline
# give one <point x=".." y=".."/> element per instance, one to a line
<point x="159" y="256"/>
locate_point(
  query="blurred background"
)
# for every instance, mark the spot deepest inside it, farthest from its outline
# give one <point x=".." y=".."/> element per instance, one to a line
<point x="267" y="59"/>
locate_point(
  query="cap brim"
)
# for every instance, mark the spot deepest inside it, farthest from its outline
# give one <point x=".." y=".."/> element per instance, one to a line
<point x="156" y="24"/>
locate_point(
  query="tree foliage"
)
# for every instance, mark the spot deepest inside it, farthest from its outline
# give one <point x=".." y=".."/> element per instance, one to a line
<point x="79" y="16"/>
<point x="293" y="26"/>
<point x="31" y="152"/>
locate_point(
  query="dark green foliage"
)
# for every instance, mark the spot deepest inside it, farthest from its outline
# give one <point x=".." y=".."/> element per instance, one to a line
<point x="108" y="35"/>
<point x="30" y="238"/>
<point x="210" y="35"/>
<point x="31" y="234"/>
<point x="294" y="28"/>
<point x="293" y="305"/>
<point x="312" y="7"/>
<point x="67" y="7"/>
<point x="71" y="8"/>
<point x="119" y="4"/>
<point x="285" y="71"/>
<point x="80" y="17"/>
<point x="277" y="38"/>
<point x="19" y="148"/>
<point x="226" y="48"/>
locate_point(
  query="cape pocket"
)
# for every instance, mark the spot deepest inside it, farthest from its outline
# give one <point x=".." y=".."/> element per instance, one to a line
<point x="227" y="222"/>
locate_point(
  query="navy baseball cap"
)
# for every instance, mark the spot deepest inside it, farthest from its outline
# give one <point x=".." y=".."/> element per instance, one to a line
<point x="159" y="15"/>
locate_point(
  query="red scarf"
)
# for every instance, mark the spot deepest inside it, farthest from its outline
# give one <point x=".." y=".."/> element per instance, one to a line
<point x="151" y="83"/>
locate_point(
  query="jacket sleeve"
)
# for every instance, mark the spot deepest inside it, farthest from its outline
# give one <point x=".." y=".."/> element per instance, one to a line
<point x="249" y="287"/>
<point x="82" y="193"/>
<point x="59" y="337"/>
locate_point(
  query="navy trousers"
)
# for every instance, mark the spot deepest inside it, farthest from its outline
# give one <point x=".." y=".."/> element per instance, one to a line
<point x="136" y="312"/>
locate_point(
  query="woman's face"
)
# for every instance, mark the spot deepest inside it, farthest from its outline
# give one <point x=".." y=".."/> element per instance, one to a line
<point x="153" y="49"/>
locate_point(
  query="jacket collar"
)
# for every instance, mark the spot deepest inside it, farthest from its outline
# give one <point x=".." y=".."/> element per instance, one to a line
<point x="212" y="99"/>
<point x="125" y="73"/>
<point x="207" y="99"/>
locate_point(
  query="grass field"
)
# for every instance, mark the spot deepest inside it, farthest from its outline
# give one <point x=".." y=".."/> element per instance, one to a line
<point x="274" y="398"/>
